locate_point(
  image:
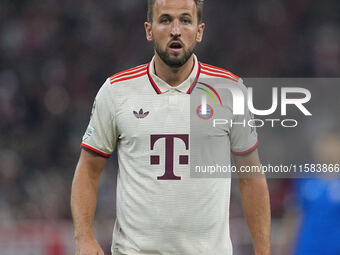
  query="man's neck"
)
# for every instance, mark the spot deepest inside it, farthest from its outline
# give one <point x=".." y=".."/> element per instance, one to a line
<point x="173" y="76"/>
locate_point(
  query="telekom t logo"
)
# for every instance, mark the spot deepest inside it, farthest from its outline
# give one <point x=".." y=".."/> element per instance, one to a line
<point x="169" y="154"/>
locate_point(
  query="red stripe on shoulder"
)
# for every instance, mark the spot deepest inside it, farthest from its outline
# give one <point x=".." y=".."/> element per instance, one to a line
<point x="113" y="78"/>
<point x="219" y="75"/>
<point x="218" y="69"/>
<point x="128" y="71"/>
<point x="220" y="72"/>
<point x="129" y="77"/>
<point x="95" y="150"/>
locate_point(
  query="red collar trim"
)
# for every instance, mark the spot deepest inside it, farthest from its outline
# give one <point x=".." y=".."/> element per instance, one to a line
<point x="158" y="91"/>
<point x="193" y="85"/>
<point x="153" y="83"/>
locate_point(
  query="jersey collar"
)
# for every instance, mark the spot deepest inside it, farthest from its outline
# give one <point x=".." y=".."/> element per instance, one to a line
<point x="160" y="86"/>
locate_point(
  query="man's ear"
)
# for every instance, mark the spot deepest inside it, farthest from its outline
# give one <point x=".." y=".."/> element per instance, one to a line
<point x="148" y="31"/>
<point x="200" y="32"/>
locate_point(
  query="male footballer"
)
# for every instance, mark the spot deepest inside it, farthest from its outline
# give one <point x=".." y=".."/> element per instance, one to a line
<point x="145" y="112"/>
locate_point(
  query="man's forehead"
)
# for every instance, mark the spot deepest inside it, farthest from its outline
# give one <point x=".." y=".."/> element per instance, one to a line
<point x="178" y="6"/>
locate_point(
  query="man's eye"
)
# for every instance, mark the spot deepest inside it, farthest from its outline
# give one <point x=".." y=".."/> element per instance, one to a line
<point x="186" y="21"/>
<point x="165" y="21"/>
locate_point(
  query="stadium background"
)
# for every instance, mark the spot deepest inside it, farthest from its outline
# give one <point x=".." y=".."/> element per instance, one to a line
<point x="54" y="56"/>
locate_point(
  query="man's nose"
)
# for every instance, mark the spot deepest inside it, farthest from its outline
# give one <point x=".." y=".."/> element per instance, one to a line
<point x="175" y="29"/>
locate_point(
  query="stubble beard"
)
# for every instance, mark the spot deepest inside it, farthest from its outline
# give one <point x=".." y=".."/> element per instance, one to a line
<point x="174" y="62"/>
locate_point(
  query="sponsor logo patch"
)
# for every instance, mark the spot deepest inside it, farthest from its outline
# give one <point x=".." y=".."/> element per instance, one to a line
<point x="141" y="114"/>
<point x="89" y="131"/>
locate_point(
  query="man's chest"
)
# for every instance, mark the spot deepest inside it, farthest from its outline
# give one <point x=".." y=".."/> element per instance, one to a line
<point x="137" y="117"/>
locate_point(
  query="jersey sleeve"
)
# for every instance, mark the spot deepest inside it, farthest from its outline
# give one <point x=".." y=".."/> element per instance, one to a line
<point x="100" y="135"/>
<point x="243" y="137"/>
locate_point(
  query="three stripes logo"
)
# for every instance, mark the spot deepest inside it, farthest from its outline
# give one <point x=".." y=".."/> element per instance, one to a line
<point x="205" y="111"/>
<point x="141" y="114"/>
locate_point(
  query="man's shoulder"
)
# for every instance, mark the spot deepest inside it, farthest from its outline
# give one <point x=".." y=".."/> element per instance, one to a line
<point x="218" y="72"/>
<point x="128" y="75"/>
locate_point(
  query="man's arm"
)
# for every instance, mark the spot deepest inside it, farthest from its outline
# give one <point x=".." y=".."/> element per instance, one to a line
<point x="84" y="201"/>
<point x="255" y="202"/>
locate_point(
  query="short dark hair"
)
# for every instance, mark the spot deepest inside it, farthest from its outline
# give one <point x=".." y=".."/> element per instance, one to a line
<point x="199" y="5"/>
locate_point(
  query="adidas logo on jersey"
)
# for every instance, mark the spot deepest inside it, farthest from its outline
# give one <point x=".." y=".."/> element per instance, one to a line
<point x="140" y="114"/>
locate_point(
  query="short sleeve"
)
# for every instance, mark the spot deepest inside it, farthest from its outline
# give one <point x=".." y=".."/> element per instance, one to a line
<point x="100" y="135"/>
<point x="243" y="136"/>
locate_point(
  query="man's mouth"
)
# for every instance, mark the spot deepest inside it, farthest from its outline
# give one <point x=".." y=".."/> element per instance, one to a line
<point x="176" y="45"/>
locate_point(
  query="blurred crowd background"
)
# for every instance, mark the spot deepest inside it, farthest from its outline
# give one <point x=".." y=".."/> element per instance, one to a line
<point x="55" y="55"/>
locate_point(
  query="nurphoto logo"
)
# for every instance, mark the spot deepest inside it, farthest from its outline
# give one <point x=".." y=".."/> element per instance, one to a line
<point x="242" y="103"/>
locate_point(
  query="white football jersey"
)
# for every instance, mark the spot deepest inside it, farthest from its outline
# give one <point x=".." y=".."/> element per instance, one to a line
<point x="161" y="210"/>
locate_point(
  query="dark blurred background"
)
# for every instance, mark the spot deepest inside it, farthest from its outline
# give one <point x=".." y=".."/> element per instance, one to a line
<point x="55" y="55"/>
